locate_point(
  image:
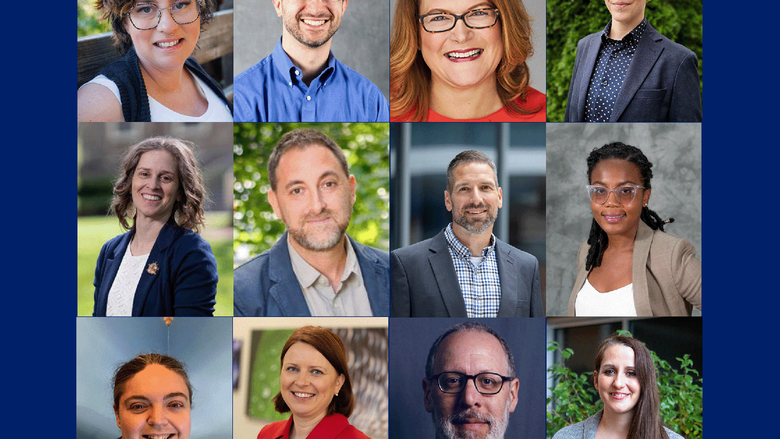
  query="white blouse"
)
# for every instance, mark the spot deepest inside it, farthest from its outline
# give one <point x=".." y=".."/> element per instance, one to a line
<point x="122" y="292"/>
<point x="617" y="303"/>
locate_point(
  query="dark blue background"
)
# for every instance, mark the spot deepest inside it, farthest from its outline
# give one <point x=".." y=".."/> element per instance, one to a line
<point x="39" y="217"/>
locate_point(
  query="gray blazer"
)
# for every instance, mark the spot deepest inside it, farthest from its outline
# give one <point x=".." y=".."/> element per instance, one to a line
<point x="666" y="274"/>
<point x="424" y="283"/>
<point x="661" y="85"/>
<point x="587" y="429"/>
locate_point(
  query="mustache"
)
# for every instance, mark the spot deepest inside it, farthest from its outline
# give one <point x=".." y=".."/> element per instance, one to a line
<point x="470" y="415"/>
<point x="476" y="206"/>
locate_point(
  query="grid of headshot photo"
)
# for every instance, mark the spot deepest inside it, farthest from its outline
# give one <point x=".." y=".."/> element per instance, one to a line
<point x="391" y="219"/>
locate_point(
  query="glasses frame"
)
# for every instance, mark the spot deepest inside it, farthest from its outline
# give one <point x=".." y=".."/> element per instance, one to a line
<point x="159" y="15"/>
<point x="458" y="17"/>
<point x="590" y="187"/>
<point x="473" y="379"/>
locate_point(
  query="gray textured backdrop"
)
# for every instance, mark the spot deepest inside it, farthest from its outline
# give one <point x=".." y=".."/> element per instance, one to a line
<point x="673" y="149"/>
<point x="537" y="63"/>
<point x="362" y="41"/>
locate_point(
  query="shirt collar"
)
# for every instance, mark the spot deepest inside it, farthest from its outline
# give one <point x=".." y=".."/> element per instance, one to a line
<point x="289" y="70"/>
<point x="308" y="275"/>
<point x="461" y="250"/>
<point x="632" y="37"/>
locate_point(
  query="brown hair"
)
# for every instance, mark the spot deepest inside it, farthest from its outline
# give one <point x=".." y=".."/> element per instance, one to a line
<point x="127" y="371"/>
<point x="188" y="209"/>
<point x="303" y="138"/>
<point x="471" y="156"/>
<point x="646" y="423"/>
<point x="410" y="77"/>
<point x="115" y="12"/>
<point x="332" y="348"/>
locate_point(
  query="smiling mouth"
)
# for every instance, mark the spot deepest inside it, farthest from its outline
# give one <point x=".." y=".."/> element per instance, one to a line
<point x="620" y="396"/>
<point x="315" y="23"/>
<point x="613" y="218"/>
<point x="158" y="436"/>
<point x="151" y="197"/>
<point x="302" y="395"/>
<point x="464" y="55"/>
<point x="168" y="44"/>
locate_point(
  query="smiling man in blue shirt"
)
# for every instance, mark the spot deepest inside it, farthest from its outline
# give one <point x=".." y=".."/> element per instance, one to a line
<point x="301" y="81"/>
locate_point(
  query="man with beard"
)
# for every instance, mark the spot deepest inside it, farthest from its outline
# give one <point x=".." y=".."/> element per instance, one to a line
<point x="314" y="269"/>
<point x="465" y="271"/>
<point x="301" y="81"/>
<point x="470" y="386"/>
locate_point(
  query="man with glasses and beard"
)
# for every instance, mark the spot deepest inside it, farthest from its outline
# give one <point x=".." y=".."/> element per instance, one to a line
<point x="465" y="271"/>
<point x="302" y="81"/>
<point x="315" y="269"/>
<point x="470" y="386"/>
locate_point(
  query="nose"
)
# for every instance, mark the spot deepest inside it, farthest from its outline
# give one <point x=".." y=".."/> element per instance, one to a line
<point x="470" y="396"/>
<point x="167" y="23"/>
<point x="611" y="199"/>
<point x="318" y="203"/>
<point x="302" y="380"/>
<point x="460" y="32"/>
<point x="157" y="416"/>
<point x="620" y="381"/>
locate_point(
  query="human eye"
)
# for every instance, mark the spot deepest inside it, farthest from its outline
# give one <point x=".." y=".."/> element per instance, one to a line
<point x="180" y="5"/>
<point x="176" y="405"/>
<point x="479" y="12"/>
<point x="136" y="406"/>
<point x="626" y="190"/>
<point x="291" y="369"/>
<point x="316" y="372"/>
<point x="145" y="9"/>
<point x="432" y="18"/>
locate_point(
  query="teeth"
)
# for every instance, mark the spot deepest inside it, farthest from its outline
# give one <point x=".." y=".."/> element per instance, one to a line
<point x="169" y="44"/>
<point x="151" y="197"/>
<point x="303" y="395"/>
<point x="314" y="22"/>
<point x="468" y="54"/>
<point x="157" y="436"/>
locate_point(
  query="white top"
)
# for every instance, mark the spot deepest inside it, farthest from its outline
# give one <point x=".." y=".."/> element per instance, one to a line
<point x="618" y="303"/>
<point x="122" y="292"/>
<point x="217" y="111"/>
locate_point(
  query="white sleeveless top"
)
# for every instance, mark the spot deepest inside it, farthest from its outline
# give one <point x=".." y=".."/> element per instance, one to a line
<point x="217" y="111"/>
<point x="617" y="303"/>
<point x="122" y="292"/>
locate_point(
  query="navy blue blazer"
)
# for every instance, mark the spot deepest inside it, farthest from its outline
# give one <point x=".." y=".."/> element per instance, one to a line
<point x="266" y="286"/>
<point x="184" y="282"/>
<point x="661" y="85"/>
<point x="424" y="283"/>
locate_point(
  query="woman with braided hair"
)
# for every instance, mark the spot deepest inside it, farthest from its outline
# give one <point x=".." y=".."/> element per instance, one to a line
<point x="629" y="266"/>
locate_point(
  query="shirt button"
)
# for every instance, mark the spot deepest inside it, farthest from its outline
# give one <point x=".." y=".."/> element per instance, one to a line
<point x="308" y="98"/>
<point x="290" y="83"/>
<point x="297" y="72"/>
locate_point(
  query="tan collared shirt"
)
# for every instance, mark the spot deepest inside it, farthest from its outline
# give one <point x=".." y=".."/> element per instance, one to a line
<point x="349" y="299"/>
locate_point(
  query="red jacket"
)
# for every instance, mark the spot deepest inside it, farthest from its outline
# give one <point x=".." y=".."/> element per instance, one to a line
<point x="335" y="426"/>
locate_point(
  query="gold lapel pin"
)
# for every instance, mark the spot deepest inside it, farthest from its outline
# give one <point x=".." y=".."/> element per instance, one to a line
<point x="153" y="268"/>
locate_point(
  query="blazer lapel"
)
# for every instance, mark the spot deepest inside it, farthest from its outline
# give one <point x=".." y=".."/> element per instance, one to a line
<point x="113" y="261"/>
<point x="583" y="76"/>
<point x="285" y="289"/>
<point x="153" y="268"/>
<point x="447" y="280"/>
<point x="507" y="273"/>
<point x="647" y="53"/>
<point x="375" y="278"/>
<point x="642" y="242"/>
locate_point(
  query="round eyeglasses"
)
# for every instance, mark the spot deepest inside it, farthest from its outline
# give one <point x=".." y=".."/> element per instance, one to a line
<point x="487" y="383"/>
<point x="623" y="194"/>
<point x="145" y="15"/>
<point x="474" y="19"/>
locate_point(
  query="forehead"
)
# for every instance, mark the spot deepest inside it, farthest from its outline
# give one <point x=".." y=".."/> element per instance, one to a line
<point x="616" y="170"/>
<point x="157" y="158"/>
<point x="453" y="5"/>
<point x="470" y="352"/>
<point x="154" y="380"/>
<point x="304" y="353"/>
<point x="300" y="163"/>
<point x="618" y="354"/>
<point x="472" y="171"/>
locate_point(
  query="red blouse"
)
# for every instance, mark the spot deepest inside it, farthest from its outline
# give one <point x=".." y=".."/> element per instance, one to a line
<point x="534" y="99"/>
<point x="335" y="426"/>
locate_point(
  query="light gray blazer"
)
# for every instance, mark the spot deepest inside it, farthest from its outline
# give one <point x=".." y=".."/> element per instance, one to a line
<point x="587" y="429"/>
<point x="666" y="274"/>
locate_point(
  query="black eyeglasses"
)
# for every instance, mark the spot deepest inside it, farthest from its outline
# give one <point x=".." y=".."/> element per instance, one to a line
<point x="475" y="19"/>
<point x="623" y="194"/>
<point x="487" y="383"/>
<point x="145" y="15"/>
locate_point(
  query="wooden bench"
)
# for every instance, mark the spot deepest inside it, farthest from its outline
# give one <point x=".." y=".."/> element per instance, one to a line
<point x="216" y="43"/>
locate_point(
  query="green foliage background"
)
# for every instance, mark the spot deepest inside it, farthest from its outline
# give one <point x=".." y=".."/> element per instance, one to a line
<point x="367" y="148"/>
<point x="573" y="395"/>
<point x="570" y="21"/>
<point x="88" y="19"/>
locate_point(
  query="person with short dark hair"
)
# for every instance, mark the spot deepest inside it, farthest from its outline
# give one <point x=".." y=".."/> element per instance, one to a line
<point x="161" y="266"/>
<point x="315" y="388"/>
<point x="315" y="268"/>
<point x="465" y="271"/>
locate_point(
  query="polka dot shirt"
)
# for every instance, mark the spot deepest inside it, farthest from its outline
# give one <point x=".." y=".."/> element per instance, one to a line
<point x="612" y="64"/>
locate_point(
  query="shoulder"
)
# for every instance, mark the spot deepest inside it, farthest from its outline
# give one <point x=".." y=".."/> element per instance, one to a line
<point x="273" y="430"/>
<point x="671" y="48"/>
<point x="415" y="251"/>
<point x="672" y="434"/>
<point x="187" y="239"/>
<point x="370" y="252"/>
<point x="573" y="431"/>
<point x="253" y="266"/>
<point x="253" y="73"/>
<point x="590" y="39"/>
<point x="112" y="244"/>
<point x="98" y="101"/>
<point x="355" y="79"/>
<point x="514" y="252"/>
<point x="668" y="243"/>
<point x="352" y="433"/>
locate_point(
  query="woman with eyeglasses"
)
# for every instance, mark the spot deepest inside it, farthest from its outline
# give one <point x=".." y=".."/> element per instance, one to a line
<point x="156" y="80"/>
<point x="462" y="60"/>
<point x="629" y="266"/>
<point x="315" y="388"/>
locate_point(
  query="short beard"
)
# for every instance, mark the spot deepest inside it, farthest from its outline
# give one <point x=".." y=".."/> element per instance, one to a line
<point x="446" y="430"/>
<point x="326" y="243"/>
<point x="294" y="30"/>
<point x="477" y="228"/>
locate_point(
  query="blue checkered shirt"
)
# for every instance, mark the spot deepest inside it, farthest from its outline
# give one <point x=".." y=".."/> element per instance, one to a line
<point x="480" y="284"/>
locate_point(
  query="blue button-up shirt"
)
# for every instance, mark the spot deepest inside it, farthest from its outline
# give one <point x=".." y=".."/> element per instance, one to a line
<point x="480" y="284"/>
<point x="273" y="91"/>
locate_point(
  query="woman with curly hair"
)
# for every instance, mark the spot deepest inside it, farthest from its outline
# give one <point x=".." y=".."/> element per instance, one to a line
<point x="161" y="266"/>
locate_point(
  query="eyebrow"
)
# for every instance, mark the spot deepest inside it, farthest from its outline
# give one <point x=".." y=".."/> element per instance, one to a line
<point x="615" y="367"/>
<point x="324" y="175"/>
<point x="171" y="395"/>
<point x="470" y="8"/>
<point x="623" y="183"/>
<point x="164" y="171"/>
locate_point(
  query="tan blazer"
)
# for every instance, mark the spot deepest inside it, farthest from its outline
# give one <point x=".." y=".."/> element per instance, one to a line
<point x="666" y="274"/>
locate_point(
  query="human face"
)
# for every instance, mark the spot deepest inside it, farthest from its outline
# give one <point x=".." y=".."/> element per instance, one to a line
<point x="308" y="382"/>
<point x="461" y="57"/>
<point x="616" y="380"/>
<point x="628" y="13"/>
<point x="613" y="217"/>
<point x="167" y="46"/>
<point x="313" y="197"/>
<point x="155" y="404"/>
<point x="313" y="22"/>
<point x="155" y="186"/>
<point x="475" y="198"/>
<point x="470" y="414"/>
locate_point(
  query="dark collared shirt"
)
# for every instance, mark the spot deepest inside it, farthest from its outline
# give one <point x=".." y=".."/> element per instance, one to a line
<point x="612" y="64"/>
<point x="273" y="91"/>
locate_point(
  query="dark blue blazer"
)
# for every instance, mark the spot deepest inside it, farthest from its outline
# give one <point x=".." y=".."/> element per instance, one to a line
<point x="661" y="85"/>
<point x="424" y="282"/>
<point x="184" y="283"/>
<point x="266" y="286"/>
